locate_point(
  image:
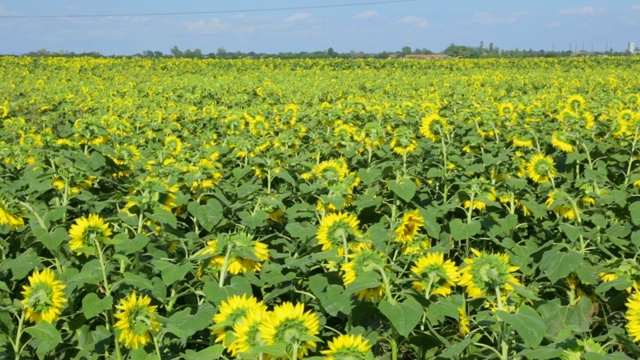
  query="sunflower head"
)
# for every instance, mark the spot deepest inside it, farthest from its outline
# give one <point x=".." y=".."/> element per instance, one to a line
<point x="246" y="254"/>
<point x="561" y="140"/>
<point x="343" y="347"/>
<point x="403" y="141"/>
<point x="363" y="260"/>
<point x="541" y="168"/>
<point x="435" y="275"/>
<point x="10" y="213"/>
<point x="433" y="127"/>
<point x="290" y="325"/>
<point x="576" y="103"/>
<point x="411" y="224"/>
<point x="232" y="312"/>
<point x="43" y="297"/>
<point x="88" y="231"/>
<point x="136" y="320"/>
<point x="336" y="229"/>
<point x="485" y="273"/>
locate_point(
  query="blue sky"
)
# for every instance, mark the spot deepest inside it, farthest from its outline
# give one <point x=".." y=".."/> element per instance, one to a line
<point x="368" y="27"/>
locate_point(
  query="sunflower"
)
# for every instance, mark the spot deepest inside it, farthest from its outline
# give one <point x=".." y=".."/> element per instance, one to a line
<point x="43" y="297"/>
<point x="246" y="254"/>
<point x="541" y="168"/>
<point x="522" y="142"/>
<point x="232" y="312"/>
<point x="412" y="222"/>
<point x="336" y="229"/>
<point x="633" y="316"/>
<point x="506" y="110"/>
<point x="343" y="347"/>
<point x="435" y="275"/>
<point x="86" y="231"/>
<point x="125" y="154"/>
<point x="463" y="321"/>
<point x="566" y="211"/>
<point x="246" y="332"/>
<point x="331" y="171"/>
<point x="136" y="319"/>
<point x="173" y="145"/>
<point x="576" y="103"/>
<point x="10" y="214"/>
<point x="560" y="141"/>
<point x="433" y="127"/>
<point x="363" y="260"/>
<point x="290" y="325"/>
<point x="485" y="273"/>
<point x="403" y="142"/>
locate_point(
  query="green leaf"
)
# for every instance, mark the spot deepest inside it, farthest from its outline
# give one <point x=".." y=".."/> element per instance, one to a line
<point x="137" y="281"/>
<point x="163" y="216"/>
<point x="456" y="349"/>
<point x="238" y="285"/>
<point x="403" y="316"/>
<point x="92" y="305"/>
<point x="134" y="245"/>
<point x="331" y="295"/>
<point x="369" y="176"/>
<point x="212" y="352"/>
<point x="462" y="231"/>
<point x="303" y="231"/>
<point x="542" y="353"/>
<point x="183" y="324"/>
<point x="366" y="280"/>
<point x="572" y="232"/>
<point x="45" y="338"/>
<point x="170" y="272"/>
<point x="557" y="264"/>
<point x="22" y="264"/>
<point x="405" y="188"/>
<point x="634" y="211"/>
<point x="208" y="215"/>
<point x="528" y="323"/>
<point x="51" y="240"/>
<point x="284" y="175"/>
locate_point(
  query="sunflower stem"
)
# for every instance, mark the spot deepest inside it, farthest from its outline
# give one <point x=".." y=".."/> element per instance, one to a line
<point x="103" y="267"/>
<point x="385" y="281"/>
<point x="157" y="346"/>
<point x="16" y="345"/>
<point x="223" y="270"/>
<point x="394" y="348"/>
<point x="294" y="353"/>
<point x="631" y="159"/>
<point x="445" y="189"/>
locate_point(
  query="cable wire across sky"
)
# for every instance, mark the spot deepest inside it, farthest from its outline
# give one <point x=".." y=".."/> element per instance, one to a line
<point x="204" y="12"/>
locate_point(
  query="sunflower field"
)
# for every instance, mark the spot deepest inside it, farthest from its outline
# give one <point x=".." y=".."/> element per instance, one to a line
<point x="319" y="209"/>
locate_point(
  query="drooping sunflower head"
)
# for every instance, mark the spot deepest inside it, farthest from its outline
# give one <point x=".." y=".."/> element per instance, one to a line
<point x="524" y="141"/>
<point x="331" y="171"/>
<point x="485" y="273"/>
<point x="364" y="260"/>
<point x="290" y="325"/>
<point x="633" y="317"/>
<point x="561" y="141"/>
<point x="433" y="127"/>
<point x="576" y="103"/>
<point x="347" y="347"/>
<point x="258" y="125"/>
<point x="232" y="312"/>
<point x="136" y="320"/>
<point x="541" y="168"/>
<point x="88" y="231"/>
<point x="246" y="254"/>
<point x="435" y="275"/>
<point x="125" y="154"/>
<point x="337" y="228"/>
<point x="43" y="297"/>
<point x="403" y="141"/>
<point x="373" y="134"/>
<point x="246" y="332"/>
<point x="172" y="145"/>
<point x="412" y="222"/>
<point x="506" y="110"/>
<point x="10" y="213"/>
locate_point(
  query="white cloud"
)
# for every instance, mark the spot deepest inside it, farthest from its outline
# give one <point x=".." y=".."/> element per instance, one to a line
<point x="366" y="15"/>
<point x="414" y="20"/>
<point x="553" y="25"/>
<point x="298" y="17"/>
<point x="581" y="11"/>
<point x="486" y="18"/>
<point x="207" y="27"/>
<point x="635" y="7"/>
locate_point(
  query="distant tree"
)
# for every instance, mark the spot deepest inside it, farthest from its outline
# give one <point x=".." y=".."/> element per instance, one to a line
<point x="331" y="53"/>
<point x="406" y="50"/>
<point x="176" y="52"/>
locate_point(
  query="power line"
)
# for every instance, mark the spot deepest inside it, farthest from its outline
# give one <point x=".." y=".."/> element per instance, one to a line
<point x="201" y="12"/>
